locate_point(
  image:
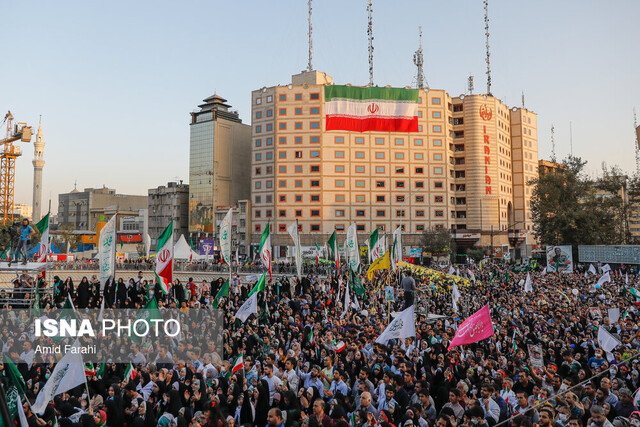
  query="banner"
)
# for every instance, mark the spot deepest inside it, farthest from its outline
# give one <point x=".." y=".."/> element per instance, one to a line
<point x="107" y="250"/>
<point x="476" y="328"/>
<point x="402" y="326"/>
<point x="535" y="354"/>
<point x="206" y="247"/>
<point x="559" y="259"/>
<point x="293" y="232"/>
<point x="225" y="237"/>
<point x="351" y="246"/>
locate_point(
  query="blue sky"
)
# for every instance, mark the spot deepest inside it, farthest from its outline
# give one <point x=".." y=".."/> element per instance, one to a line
<point x="115" y="81"/>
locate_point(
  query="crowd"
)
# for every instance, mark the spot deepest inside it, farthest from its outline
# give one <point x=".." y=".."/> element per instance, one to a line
<point x="310" y="356"/>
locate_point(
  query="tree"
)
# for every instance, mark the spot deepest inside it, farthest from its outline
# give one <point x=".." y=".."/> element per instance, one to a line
<point x="65" y="236"/>
<point x="438" y="241"/>
<point x="568" y="208"/>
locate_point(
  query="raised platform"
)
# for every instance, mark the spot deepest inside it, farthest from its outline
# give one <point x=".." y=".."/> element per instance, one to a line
<point x="31" y="267"/>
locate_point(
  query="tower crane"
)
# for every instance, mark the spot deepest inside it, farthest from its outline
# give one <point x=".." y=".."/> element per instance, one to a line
<point x="8" y="156"/>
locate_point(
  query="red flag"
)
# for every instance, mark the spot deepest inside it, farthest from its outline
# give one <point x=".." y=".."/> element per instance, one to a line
<point x="476" y="328"/>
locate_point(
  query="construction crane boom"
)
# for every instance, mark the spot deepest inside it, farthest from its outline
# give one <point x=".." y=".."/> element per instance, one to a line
<point x="8" y="157"/>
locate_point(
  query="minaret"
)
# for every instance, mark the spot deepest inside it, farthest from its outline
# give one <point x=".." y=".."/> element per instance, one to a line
<point x="38" y="163"/>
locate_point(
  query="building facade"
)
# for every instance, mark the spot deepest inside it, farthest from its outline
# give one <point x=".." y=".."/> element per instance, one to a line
<point x="465" y="170"/>
<point x="220" y="146"/>
<point x="82" y="210"/>
<point x="169" y="203"/>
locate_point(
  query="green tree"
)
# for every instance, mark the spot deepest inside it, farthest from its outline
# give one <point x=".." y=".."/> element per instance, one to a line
<point x="65" y="236"/>
<point x="438" y="241"/>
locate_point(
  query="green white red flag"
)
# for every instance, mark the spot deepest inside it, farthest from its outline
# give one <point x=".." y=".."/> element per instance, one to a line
<point x="130" y="373"/>
<point x="45" y="246"/>
<point x="238" y="364"/>
<point x="164" y="258"/>
<point x="362" y="109"/>
<point x="265" y="249"/>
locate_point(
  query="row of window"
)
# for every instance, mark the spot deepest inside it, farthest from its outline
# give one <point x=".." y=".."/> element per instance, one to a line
<point x="283" y="97"/>
<point x="340" y="198"/>
<point x="340" y="213"/>
<point x="282" y="228"/>
<point x="298" y="111"/>
<point x="340" y="183"/>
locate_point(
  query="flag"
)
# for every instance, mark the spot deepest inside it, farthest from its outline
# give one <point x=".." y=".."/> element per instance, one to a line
<point x="402" y="326"/>
<point x="375" y="245"/>
<point x="338" y="346"/>
<point x="544" y="271"/>
<point x="607" y="342"/>
<point x="265" y="248"/>
<point x="238" y="364"/>
<point x="527" y="284"/>
<point x="347" y="299"/>
<point x="249" y="307"/>
<point x="107" y="251"/>
<point x="164" y="259"/>
<point x="472" y="276"/>
<point x="222" y="293"/>
<point x="606" y="268"/>
<point x="101" y="369"/>
<point x="477" y="327"/>
<point x="293" y="232"/>
<point x="457" y="272"/>
<point x="451" y="271"/>
<point x="626" y="278"/>
<point x="130" y="373"/>
<point x="362" y="109"/>
<point x="455" y="296"/>
<point x="260" y="285"/>
<point x="310" y="336"/>
<point x="45" y="246"/>
<point x="333" y="246"/>
<point x="225" y="236"/>
<point x="14" y="391"/>
<point x="592" y="269"/>
<point x="381" y="263"/>
<point x="7" y="252"/>
<point x="67" y="374"/>
<point x="356" y="283"/>
<point x="352" y="249"/>
<point x="317" y="253"/>
<point x="614" y="314"/>
<point x="605" y="278"/>
<point x="89" y="370"/>
<point x="397" y="245"/>
<point x="147" y="244"/>
<point x="149" y="313"/>
<point x="634" y="292"/>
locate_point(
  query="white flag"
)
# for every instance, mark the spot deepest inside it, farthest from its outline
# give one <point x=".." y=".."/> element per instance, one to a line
<point x="472" y="276"/>
<point x="606" y="268"/>
<point x="249" y="307"/>
<point x="293" y="232"/>
<point x="455" y="296"/>
<point x="451" y="270"/>
<point x="107" y="250"/>
<point x="346" y="301"/>
<point x="147" y="244"/>
<point x="397" y="245"/>
<point x="403" y="326"/>
<point x="68" y="373"/>
<point x="527" y="284"/>
<point x="607" y="342"/>
<point x="605" y="278"/>
<point x="626" y="278"/>
<point x="544" y="271"/>
<point x="45" y="245"/>
<point x="225" y="236"/>
<point x="614" y="314"/>
<point x="592" y="269"/>
<point x="351" y="246"/>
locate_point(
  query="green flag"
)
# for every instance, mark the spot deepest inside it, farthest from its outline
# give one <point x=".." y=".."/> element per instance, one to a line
<point x="222" y="293"/>
<point x="260" y="286"/>
<point x="16" y="388"/>
<point x="634" y="292"/>
<point x="36" y="301"/>
<point x="355" y="282"/>
<point x="67" y="313"/>
<point x="148" y="313"/>
<point x="100" y="372"/>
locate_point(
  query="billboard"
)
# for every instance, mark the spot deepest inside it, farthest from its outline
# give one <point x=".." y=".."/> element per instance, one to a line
<point x="609" y="254"/>
<point x="206" y="247"/>
<point x="559" y="258"/>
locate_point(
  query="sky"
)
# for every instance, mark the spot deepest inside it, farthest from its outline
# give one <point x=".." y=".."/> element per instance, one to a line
<point x="115" y="81"/>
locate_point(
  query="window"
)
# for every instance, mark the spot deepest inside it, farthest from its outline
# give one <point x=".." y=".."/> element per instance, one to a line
<point x="380" y="184"/>
<point x="381" y="212"/>
<point x="359" y="140"/>
<point x="269" y="213"/>
<point x="419" y="130"/>
<point x="258" y="142"/>
<point x="315" y="168"/>
<point x="399" y="184"/>
<point x="419" y="184"/>
<point x="315" y="125"/>
<point x="258" y="185"/>
<point x="269" y="113"/>
<point x="419" y="170"/>
<point x="283" y="198"/>
<point x="437" y="128"/>
<point x="282" y="155"/>
<point x="379" y="155"/>
<point x="315" y="110"/>
<point x="339" y="169"/>
<point x="359" y="183"/>
<point x="269" y="170"/>
<point x="437" y="156"/>
<point x="436" y="114"/>
<point x="419" y="199"/>
<point x="258" y="213"/>
<point x="258" y="101"/>
<point x="420" y="213"/>
<point x="258" y="199"/>
<point x="269" y="98"/>
<point x="359" y="154"/>
<point x="379" y="141"/>
<point x="437" y="184"/>
<point x="298" y="97"/>
<point x="417" y="142"/>
<point x="399" y="169"/>
<point x="298" y="183"/>
<point x="298" y="212"/>
<point x="437" y="143"/>
<point x="379" y="169"/>
<point x="258" y="129"/>
<point x="438" y="199"/>
<point x="435" y="101"/>
<point x="314" y="96"/>
<point x="258" y="114"/>
<point x="269" y="155"/>
<point x="298" y="198"/>
<point x="282" y="228"/>
<point x="315" y="212"/>
<point x="258" y="228"/>
<point x="339" y="197"/>
<point x="315" y="154"/>
<point x="258" y="171"/>
<point x="298" y="154"/>
<point x="298" y="111"/>
<point x="399" y="156"/>
<point x="418" y="156"/>
<point x="399" y="141"/>
<point x="298" y="169"/>
<point x="359" y="169"/>
<point x="315" y="197"/>
<point x="419" y="113"/>
<point x="339" y="227"/>
<point x="283" y="112"/>
<point x="400" y="212"/>
<point x="360" y="212"/>
<point x="315" y="183"/>
<point x="282" y="183"/>
<point x="379" y="199"/>
<point x="339" y="154"/>
<point x="437" y="171"/>
<point x="269" y="141"/>
<point x="340" y="212"/>
<point x="339" y="182"/>
<point x="439" y="213"/>
<point x="315" y="227"/>
<point x="400" y="199"/>
<point x="298" y="140"/>
<point x="359" y="227"/>
<point x="282" y="140"/>
<point x="283" y="97"/>
<point x="420" y="227"/>
<point x="282" y="126"/>
<point x="298" y="125"/>
<point x="360" y="198"/>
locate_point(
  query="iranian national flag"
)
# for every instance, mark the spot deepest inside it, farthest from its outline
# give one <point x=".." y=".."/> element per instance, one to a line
<point x="317" y="253"/>
<point x="89" y="370"/>
<point x="310" y="336"/>
<point x="338" y="346"/>
<point x="44" y="247"/>
<point x="238" y="364"/>
<point x="375" y="245"/>
<point x="265" y="249"/>
<point x="333" y="246"/>
<point x="164" y="258"/>
<point x="130" y="373"/>
<point x="362" y="109"/>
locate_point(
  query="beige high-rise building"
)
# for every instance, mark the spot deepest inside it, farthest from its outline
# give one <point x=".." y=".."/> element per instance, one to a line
<point x="465" y="169"/>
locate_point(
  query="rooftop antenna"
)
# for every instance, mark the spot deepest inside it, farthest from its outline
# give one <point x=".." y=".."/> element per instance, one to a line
<point x="486" y="33"/>
<point x="635" y="126"/>
<point x="570" y="140"/>
<point x="370" y="34"/>
<point x="553" y="144"/>
<point x="522" y="99"/>
<point x="470" y="84"/>
<point x="309" y="66"/>
<point x="418" y="60"/>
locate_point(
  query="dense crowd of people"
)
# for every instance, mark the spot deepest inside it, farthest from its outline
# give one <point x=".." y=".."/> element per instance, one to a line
<point x="309" y="357"/>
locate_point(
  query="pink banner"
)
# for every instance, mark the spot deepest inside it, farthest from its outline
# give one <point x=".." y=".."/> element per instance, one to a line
<point x="476" y="328"/>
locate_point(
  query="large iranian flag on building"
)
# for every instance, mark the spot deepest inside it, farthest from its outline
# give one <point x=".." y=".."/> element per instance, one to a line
<point x="362" y="109"/>
<point x="164" y="258"/>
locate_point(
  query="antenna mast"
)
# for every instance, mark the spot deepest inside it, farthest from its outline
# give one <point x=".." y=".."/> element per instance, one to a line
<point x="570" y="139"/>
<point x="486" y="33"/>
<point x="370" y="34"/>
<point x="553" y="145"/>
<point x="309" y="66"/>
<point x="470" y="84"/>
<point x="418" y="60"/>
<point x="635" y="127"/>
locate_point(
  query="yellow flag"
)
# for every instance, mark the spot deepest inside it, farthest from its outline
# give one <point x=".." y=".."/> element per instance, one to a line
<point x="381" y="263"/>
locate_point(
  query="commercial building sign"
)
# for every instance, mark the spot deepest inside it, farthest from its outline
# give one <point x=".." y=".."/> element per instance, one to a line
<point x="487" y="160"/>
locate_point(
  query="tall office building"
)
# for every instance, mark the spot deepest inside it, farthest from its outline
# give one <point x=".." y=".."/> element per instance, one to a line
<point x="465" y="170"/>
<point x="220" y="145"/>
